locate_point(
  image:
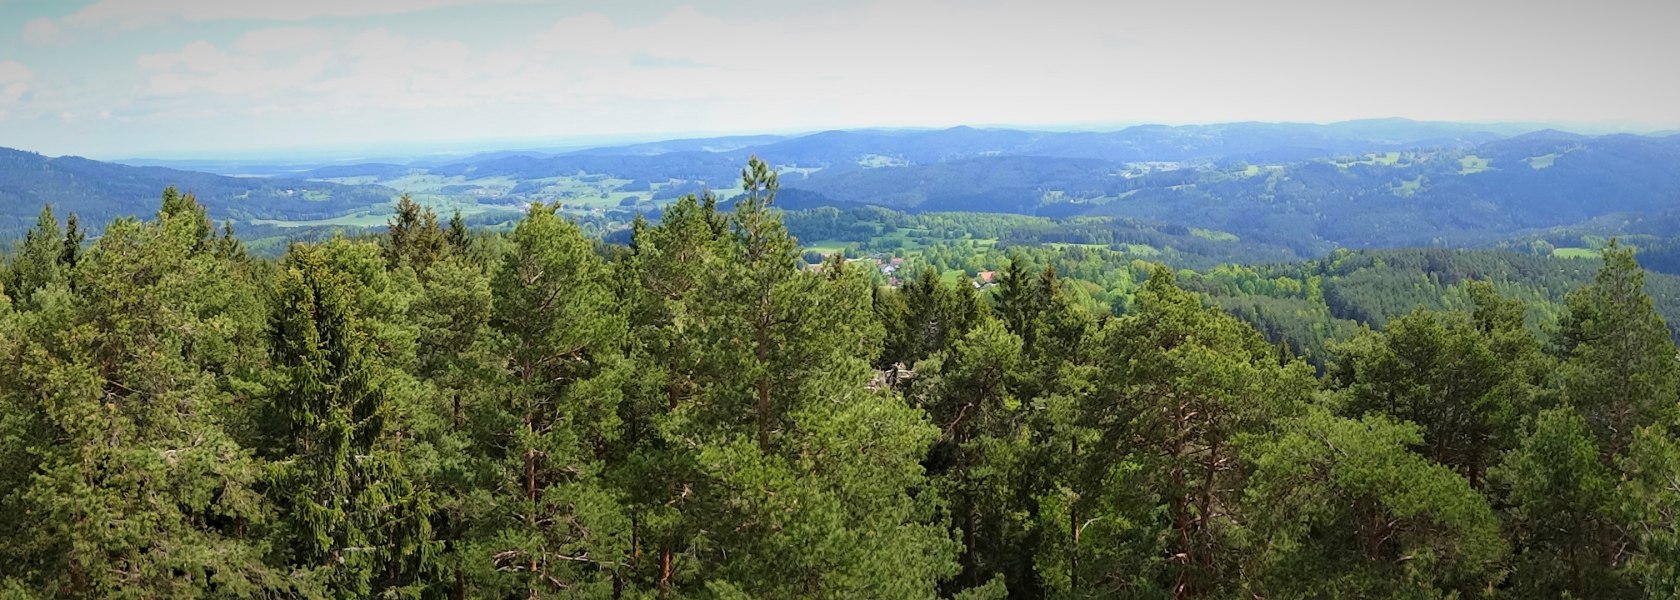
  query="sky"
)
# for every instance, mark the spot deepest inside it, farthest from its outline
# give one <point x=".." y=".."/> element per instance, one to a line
<point x="209" y="78"/>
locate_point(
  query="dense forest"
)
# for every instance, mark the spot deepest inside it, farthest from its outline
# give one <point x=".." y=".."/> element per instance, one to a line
<point x="439" y="411"/>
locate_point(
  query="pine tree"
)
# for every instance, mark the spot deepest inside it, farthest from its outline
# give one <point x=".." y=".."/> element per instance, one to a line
<point x="455" y="359"/>
<point x="1341" y="508"/>
<point x="560" y="529"/>
<point x="1562" y="512"/>
<point x="661" y="279"/>
<point x="1178" y="384"/>
<point x="1440" y="372"/>
<point x="805" y="478"/>
<point x="125" y="481"/>
<point x="1619" y="367"/>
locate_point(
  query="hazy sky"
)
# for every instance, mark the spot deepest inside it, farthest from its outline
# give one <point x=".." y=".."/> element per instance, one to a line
<point x="122" y="78"/>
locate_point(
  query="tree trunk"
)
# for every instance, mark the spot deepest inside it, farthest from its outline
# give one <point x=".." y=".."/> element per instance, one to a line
<point x="665" y="570"/>
<point x="531" y="490"/>
<point x="764" y="384"/>
<point x="1073" y="526"/>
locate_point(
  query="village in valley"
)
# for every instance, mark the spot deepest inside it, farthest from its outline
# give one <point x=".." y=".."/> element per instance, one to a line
<point x="893" y="269"/>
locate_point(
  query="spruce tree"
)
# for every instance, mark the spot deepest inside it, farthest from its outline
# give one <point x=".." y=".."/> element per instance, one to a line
<point x="352" y="520"/>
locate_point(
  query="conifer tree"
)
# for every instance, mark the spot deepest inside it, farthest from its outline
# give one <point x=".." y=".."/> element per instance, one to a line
<point x="1438" y="371"/>
<point x="559" y="529"/>
<point x="982" y="462"/>
<point x="458" y="236"/>
<point x="122" y="481"/>
<point x="784" y="425"/>
<point x="38" y="262"/>
<point x="661" y="281"/>
<point x="413" y="237"/>
<point x="352" y="520"/>
<point x="1562" y="518"/>
<point x="1179" y="383"/>
<point x="1341" y="508"/>
<point x="1619" y="368"/>
<point x="73" y="238"/>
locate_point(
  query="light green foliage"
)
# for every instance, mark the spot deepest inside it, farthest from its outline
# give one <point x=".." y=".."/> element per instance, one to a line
<point x="1340" y="508"/>
<point x="121" y="481"/>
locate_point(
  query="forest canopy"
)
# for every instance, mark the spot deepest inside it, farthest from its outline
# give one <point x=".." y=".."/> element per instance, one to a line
<point x="439" y="412"/>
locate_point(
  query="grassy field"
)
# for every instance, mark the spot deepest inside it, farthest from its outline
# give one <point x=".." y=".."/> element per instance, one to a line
<point x="1574" y="253"/>
<point x="1386" y="159"/>
<point x="1472" y="164"/>
<point x="445" y="205"/>
<point x="826" y="246"/>
<point x="368" y="218"/>
<point x="1543" y="162"/>
<point x="1409" y="187"/>
<point x="1214" y="234"/>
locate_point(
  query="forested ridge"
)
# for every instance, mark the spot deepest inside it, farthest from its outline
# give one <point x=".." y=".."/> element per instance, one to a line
<point x="438" y="412"/>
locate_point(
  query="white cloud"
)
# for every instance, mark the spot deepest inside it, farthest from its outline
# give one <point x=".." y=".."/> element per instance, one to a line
<point x="281" y="39"/>
<point x="142" y="12"/>
<point x="15" y="80"/>
<point x="891" y="62"/>
<point x="203" y="68"/>
<point x="303" y="70"/>
<point x="42" y="31"/>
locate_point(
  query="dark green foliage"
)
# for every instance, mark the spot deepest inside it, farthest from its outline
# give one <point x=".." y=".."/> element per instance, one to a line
<point x="702" y="413"/>
<point x="414" y="239"/>
<point x="351" y="520"/>
<point x="1442" y="372"/>
<point x="1561" y="516"/>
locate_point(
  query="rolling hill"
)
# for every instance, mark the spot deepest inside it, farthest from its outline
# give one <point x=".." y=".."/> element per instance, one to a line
<point x="100" y="192"/>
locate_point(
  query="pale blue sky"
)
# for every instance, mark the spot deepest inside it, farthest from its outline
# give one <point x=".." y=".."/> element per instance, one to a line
<point x="177" y="78"/>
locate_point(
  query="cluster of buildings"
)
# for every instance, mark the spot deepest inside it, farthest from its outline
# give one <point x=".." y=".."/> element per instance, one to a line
<point x="893" y="269"/>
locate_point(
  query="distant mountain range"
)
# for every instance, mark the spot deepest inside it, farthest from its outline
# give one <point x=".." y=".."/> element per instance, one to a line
<point x="100" y="192"/>
<point x="1309" y="187"/>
